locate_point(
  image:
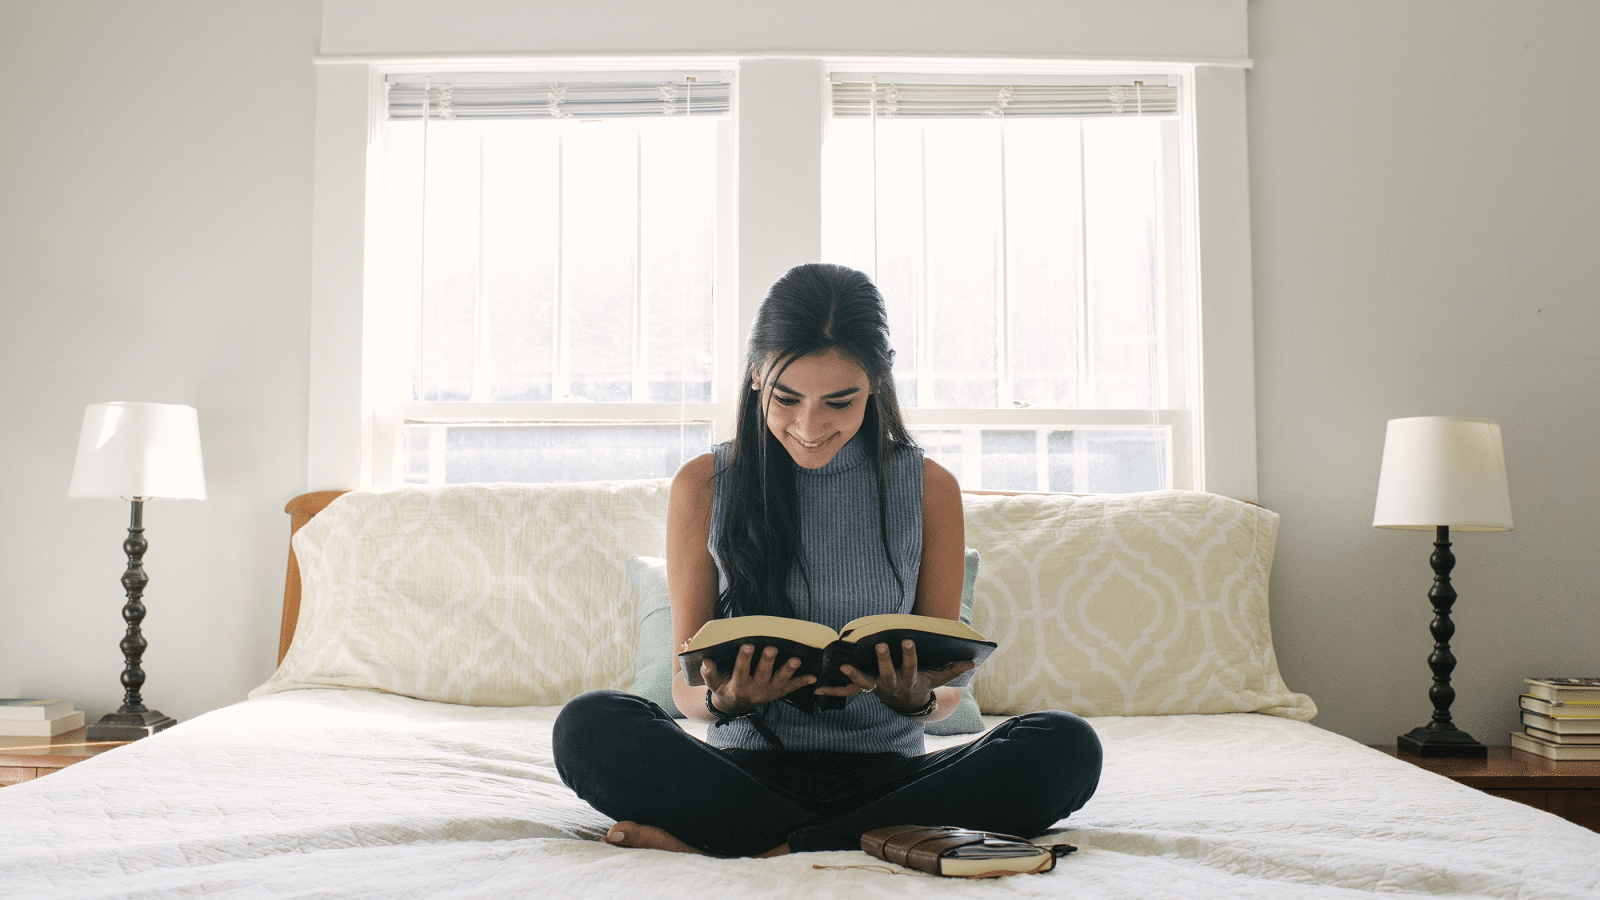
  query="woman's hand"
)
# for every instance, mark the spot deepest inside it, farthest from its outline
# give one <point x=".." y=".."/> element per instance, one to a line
<point x="741" y="691"/>
<point x="904" y="690"/>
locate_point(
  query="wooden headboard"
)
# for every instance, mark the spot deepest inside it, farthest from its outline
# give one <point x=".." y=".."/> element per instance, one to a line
<point x="300" y="511"/>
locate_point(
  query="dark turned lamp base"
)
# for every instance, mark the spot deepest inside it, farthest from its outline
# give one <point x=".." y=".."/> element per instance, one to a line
<point x="132" y="720"/>
<point x="1428" y="742"/>
<point x="126" y="726"/>
<point x="1441" y="737"/>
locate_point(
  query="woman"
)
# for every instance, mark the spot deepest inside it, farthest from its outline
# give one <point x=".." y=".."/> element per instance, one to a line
<point x="821" y="508"/>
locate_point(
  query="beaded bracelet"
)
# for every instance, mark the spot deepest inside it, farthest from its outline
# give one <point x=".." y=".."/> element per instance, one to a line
<point x="724" y="718"/>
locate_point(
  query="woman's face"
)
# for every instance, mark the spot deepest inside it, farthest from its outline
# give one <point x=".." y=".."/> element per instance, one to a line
<point x="816" y="406"/>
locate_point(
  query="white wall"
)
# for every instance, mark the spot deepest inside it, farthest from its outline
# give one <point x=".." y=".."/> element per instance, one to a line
<point x="158" y="248"/>
<point x="155" y="185"/>
<point x="1426" y="215"/>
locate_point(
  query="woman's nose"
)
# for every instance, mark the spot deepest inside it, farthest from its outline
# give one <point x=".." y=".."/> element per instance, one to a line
<point x="808" y="419"/>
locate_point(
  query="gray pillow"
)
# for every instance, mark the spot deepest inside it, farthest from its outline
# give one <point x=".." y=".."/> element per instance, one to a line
<point x="966" y="719"/>
<point x="655" y="663"/>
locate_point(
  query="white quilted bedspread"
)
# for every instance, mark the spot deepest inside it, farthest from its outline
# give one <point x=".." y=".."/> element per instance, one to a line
<point x="354" y="794"/>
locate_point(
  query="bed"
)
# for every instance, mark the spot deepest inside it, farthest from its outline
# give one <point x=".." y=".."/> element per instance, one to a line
<point x="358" y="771"/>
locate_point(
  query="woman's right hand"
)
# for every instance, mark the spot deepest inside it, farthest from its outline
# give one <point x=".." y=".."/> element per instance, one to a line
<point x="743" y="690"/>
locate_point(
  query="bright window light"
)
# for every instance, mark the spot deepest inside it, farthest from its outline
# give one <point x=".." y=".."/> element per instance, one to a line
<point x="1033" y="271"/>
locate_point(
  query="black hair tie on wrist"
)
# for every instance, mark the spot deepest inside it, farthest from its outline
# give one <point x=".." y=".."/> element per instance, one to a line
<point x="925" y="711"/>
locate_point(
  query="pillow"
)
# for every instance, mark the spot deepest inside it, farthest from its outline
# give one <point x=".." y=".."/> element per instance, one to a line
<point x="1127" y="605"/>
<point x="656" y="663"/>
<point x="966" y="719"/>
<point x="502" y="595"/>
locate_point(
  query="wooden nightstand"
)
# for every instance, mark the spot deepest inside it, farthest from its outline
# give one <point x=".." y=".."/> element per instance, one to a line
<point x="27" y="758"/>
<point x="1569" y="788"/>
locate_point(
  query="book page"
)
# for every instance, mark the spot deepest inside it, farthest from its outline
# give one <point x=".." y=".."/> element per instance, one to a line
<point x="739" y="628"/>
<point x="864" y="627"/>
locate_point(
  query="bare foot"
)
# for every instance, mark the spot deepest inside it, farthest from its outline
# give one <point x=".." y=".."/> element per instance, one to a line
<point x="648" y="837"/>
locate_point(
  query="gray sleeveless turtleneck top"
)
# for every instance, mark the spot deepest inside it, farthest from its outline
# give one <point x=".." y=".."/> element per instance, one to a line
<point x="849" y="577"/>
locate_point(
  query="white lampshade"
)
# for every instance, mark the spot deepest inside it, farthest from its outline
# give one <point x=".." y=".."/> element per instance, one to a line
<point x="1442" y="470"/>
<point x="139" y="450"/>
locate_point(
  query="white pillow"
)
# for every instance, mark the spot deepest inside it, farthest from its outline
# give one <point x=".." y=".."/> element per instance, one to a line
<point x="502" y="595"/>
<point x="1127" y="605"/>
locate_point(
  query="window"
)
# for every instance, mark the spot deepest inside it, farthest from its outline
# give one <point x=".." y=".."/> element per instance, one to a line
<point x="463" y="382"/>
<point x="1028" y="240"/>
<point x="549" y="258"/>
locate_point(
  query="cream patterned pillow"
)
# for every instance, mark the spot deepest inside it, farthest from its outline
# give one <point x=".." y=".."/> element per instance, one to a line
<point x="1127" y="605"/>
<point x="502" y="595"/>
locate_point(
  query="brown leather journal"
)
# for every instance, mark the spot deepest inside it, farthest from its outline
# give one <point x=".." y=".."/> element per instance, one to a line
<point x="958" y="852"/>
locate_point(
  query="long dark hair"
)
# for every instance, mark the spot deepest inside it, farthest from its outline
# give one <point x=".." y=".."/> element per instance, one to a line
<point x="812" y="309"/>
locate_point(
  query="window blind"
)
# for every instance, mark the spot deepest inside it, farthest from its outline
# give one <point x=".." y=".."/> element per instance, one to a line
<point x="859" y="96"/>
<point x="505" y="96"/>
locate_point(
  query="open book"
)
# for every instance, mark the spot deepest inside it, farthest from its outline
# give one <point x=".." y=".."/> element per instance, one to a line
<point x="941" y="643"/>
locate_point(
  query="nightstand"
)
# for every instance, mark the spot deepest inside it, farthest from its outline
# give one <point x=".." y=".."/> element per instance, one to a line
<point x="1568" y="788"/>
<point x="27" y="758"/>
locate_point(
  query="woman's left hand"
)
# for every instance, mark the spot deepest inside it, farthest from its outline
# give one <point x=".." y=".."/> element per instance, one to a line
<point x="904" y="690"/>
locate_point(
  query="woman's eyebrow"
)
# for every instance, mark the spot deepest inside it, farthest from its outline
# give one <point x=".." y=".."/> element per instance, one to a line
<point x="780" y="386"/>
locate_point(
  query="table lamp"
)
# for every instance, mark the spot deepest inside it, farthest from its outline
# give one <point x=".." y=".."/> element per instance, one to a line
<point x="136" y="451"/>
<point x="1438" y="473"/>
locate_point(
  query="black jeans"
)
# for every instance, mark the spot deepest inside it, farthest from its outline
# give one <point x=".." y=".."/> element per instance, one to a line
<point x="628" y="759"/>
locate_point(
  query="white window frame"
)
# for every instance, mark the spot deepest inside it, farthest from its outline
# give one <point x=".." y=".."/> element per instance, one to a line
<point x="1179" y="417"/>
<point x="773" y="220"/>
<point x="388" y="404"/>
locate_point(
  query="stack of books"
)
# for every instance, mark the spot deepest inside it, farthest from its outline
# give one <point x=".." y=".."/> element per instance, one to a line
<point x="1560" y="718"/>
<point x="42" y="718"/>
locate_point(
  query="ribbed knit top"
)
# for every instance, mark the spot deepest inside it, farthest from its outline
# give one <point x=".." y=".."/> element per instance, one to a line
<point x="849" y="577"/>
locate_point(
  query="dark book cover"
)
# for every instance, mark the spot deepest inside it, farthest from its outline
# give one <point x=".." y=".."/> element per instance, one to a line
<point x="934" y="651"/>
